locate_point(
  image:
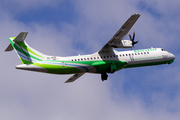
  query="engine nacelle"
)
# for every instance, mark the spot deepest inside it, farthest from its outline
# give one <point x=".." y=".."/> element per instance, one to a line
<point x="123" y="44"/>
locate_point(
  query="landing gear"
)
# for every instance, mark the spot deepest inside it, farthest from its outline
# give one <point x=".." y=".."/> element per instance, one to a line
<point x="104" y="76"/>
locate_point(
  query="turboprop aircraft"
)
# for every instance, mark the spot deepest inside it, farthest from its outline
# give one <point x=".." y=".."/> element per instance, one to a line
<point x="106" y="60"/>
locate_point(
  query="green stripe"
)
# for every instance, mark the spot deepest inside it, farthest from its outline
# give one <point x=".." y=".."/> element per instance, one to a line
<point x="58" y="69"/>
<point x="23" y="52"/>
<point x="24" y="61"/>
<point x="26" y="48"/>
<point x="100" y="66"/>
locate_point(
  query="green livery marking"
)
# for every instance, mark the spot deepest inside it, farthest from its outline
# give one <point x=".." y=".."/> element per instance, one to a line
<point x="145" y="50"/>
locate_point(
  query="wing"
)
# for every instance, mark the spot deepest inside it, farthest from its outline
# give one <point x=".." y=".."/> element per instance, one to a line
<point x="74" y="77"/>
<point x="121" y="33"/>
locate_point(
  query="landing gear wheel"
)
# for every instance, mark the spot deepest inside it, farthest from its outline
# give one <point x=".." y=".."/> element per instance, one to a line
<point x="104" y="76"/>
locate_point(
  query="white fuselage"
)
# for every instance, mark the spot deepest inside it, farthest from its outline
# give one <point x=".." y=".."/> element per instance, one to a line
<point x="132" y="57"/>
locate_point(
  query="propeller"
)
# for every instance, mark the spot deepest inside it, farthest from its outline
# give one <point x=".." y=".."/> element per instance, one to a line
<point x="132" y="39"/>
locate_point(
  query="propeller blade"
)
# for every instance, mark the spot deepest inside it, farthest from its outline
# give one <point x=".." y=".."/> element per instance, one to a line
<point x="130" y="36"/>
<point x="133" y="36"/>
<point x="132" y="39"/>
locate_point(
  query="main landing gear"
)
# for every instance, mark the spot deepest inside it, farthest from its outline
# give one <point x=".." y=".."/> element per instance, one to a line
<point x="104" y="76"/>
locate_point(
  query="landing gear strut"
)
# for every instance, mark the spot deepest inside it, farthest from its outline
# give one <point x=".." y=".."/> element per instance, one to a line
<point x="104" y="76"/>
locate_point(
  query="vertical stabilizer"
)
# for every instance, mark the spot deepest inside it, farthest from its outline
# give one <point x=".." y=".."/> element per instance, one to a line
<point x="26" y="54"/>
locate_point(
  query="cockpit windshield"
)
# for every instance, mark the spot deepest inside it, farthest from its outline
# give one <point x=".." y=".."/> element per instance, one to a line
<point x="164" y="50"/>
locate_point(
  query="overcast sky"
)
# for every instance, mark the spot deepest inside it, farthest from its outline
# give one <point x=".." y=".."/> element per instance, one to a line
<point x="65" y="28"/>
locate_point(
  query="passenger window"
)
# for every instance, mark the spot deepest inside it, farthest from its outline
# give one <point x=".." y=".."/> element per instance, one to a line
<point x="107" y="56"/>
<point x="138" y="53"/>
<point x="141" y="53"/>
<point x="94" y="57"/>
<point x="126" y="54"/>
<point x="132" y="54"/>
<point x="120" y="55"/>
<point x="87" y="58"/>
<point x="110" y="56"/>
<point x="144" y="52"/>
<point x="84" y="58"/>
<point x="114" y="56"/>
<point x="97" y="57"/>
<point x="147" y="52"/>
<point x="123" y="54"/>
<point x="91" y="58"/>
<point x="78" y="60"/>
<point x="81" y="59"/>
<point x="135" y="54"/>
<point x="74" y="59"/>
<point x="129" y="54"/>
<point x="104" y="56"/>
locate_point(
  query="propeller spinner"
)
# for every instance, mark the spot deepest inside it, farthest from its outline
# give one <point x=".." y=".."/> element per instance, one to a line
<point x="132" y="39"/>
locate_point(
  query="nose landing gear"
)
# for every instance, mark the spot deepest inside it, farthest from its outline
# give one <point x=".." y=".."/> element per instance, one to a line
<point x="104" y="76"/>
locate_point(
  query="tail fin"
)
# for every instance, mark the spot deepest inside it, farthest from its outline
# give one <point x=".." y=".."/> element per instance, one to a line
<point x="26" y="54"/>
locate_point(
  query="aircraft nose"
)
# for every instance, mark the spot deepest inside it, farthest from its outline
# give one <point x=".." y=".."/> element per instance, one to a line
<point x="171" y="56"/>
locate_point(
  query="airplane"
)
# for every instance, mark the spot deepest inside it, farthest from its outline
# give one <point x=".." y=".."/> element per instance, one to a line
<point x="106" y="60"/>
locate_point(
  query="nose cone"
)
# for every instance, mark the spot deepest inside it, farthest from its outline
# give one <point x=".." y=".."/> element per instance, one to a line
<point x="171" y="58"/>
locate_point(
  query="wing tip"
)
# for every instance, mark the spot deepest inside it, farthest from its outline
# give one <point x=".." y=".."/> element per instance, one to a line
<point x="137" y="14"/>
<point x="68" y="81"/>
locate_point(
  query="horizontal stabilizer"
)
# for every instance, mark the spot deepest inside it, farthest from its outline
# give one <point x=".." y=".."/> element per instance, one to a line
<point x="9" y="48"/>
<point x="21" y="37"/>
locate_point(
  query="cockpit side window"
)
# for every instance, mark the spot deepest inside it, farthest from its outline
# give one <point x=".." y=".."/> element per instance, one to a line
<point x="162" y="49"/>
